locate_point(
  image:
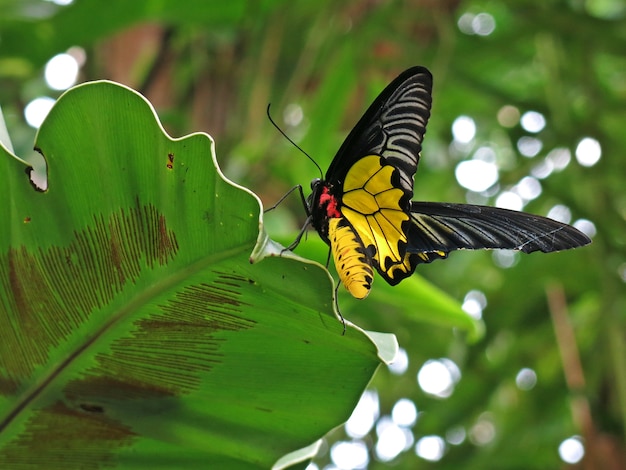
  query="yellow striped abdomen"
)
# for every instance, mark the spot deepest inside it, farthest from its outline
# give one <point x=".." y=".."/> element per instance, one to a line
<point x="351" y="262"/>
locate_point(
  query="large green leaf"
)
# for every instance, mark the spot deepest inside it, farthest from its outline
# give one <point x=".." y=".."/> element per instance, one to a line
<point x="134" y="331"/>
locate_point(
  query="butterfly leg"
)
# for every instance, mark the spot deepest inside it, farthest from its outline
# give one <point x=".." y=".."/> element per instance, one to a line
<point x="303" y="230"/>
<point x="343" y="321"/>
<point x="299" y="188"/>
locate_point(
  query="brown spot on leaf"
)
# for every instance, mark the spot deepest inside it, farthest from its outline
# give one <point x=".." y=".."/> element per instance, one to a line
<point x="53" y="291"/>
<point x="90" y="408"/>
<point x="58" y="436"/>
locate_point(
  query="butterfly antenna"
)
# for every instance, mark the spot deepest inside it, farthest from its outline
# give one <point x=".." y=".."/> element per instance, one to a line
<point x="291" y="141"/>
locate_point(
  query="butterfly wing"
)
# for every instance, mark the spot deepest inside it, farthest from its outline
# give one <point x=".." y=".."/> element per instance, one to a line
<point x="393" y="127"/>
<point x="372" y="174"/>
<point x="436" y="229"/>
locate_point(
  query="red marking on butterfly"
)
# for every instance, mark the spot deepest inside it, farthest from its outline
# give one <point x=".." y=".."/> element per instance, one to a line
<point x="331" y="203"/>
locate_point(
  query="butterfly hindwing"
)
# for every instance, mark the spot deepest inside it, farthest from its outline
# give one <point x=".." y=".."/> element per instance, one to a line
<point x="376" y="208"/>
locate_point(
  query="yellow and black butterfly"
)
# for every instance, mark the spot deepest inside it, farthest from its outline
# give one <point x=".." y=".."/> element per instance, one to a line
<point x="363" y="209"/>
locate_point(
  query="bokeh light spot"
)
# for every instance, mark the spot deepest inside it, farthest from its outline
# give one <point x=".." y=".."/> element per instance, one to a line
<point x="529" y="146"/>
<point x="404" y="412"/>
<point x="463" y="129"/>
<point x="392" y="439"/>
<point x="456" y="435"/>
<point x="474" y="303"/>
<point x="400" y="362"/>
<point x="528" y="188"/>
<point x="505" y="258"/>
<point x="543" y="169"/>
<point x="293" y="115"/>
<point x="559" y="158"/>
<point x="484" y="431"/>
<point x="560" y="213"/>
<point x="430" y="448"/>
<point x="364" y="415"/>
<point x="349" y="455"/>
<point x="510" y="200"/>
<point x="476" y="175"/>
<point x="571" y="450"/>
<point x="61" y="72"/>
<point x="526" y="379"/>
<point x="483" y="24"/>
<point x="36" y="111"/>
<point x="586" y="226"/>
<point x="438" y="377"/>
<point x="588" y="151"/>
<point x="508" y="116"/>
<point x="532" y="121"/>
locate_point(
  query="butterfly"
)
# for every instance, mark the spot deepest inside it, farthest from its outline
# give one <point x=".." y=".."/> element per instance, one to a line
<point x="363" y="208"/>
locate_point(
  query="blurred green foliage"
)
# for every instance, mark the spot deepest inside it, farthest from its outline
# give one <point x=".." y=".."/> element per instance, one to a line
<point x="214" y="66"/>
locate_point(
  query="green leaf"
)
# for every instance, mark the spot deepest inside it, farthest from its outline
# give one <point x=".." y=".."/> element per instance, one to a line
<point x="415" y="299"/>
<point x="134" y="331"/>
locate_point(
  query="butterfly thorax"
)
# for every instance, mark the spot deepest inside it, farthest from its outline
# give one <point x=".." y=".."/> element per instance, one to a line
<point x="324" y="205"/>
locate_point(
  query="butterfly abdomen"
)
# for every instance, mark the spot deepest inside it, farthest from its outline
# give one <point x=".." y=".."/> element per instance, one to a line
<point x="351" y="260"/>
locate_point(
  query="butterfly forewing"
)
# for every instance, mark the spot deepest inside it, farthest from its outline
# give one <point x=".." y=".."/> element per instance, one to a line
<point x="393" y="127"/>
<point x="444" y="227"/>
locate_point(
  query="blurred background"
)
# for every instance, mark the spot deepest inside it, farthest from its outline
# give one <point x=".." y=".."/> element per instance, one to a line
<point x="529" y="113"/>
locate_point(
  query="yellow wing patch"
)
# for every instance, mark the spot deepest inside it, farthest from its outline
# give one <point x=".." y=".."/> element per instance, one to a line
<point x="351" y="262"/>
<point x="371" y="203"/>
